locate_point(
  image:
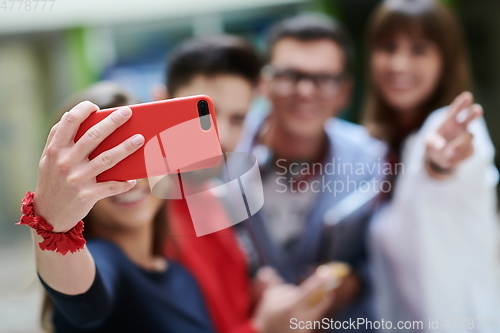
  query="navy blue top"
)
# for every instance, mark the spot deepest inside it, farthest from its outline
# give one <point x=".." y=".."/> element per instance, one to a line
<point x="127" y="298"/>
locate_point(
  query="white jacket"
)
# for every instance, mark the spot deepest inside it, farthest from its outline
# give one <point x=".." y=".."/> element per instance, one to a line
<point x="435" y="246"/>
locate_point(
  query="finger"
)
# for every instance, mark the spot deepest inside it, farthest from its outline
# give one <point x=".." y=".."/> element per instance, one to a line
<point x="460" y="143"/>
<point x="459" y="158"/>
<point x="311" y="286"/>
<point x="97" y="133"/>
<point x="462" y="149"/>
<point x="324" y="304"/>
<point x="108" y="189"/>
<point x="435" y="142"/>
<point x="71" y="121"/>
<point x="462" y="101"/>
<point x="269" y="277"/>
<point x="475" y="112"/>
<point x="457" y="147"/>
<point x="110" y="158"/>
<point x="50" y="136"/>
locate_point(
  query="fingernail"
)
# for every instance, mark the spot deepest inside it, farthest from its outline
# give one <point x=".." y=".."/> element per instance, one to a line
<point x="125" y="112"/>
<point x="137" y="139"/>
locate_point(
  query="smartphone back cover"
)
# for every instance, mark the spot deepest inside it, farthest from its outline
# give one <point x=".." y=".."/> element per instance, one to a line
<point x="174" y="139"/>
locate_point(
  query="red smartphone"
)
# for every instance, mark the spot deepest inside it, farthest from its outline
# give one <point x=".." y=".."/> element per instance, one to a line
<point x="180" y="135"/>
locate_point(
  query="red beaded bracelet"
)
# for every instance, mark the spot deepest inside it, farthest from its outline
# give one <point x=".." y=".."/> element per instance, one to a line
<point x="61" y="242"/>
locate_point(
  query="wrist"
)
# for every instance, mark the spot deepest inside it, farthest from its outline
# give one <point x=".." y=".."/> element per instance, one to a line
<point x="62" y="242"/>
<point x="437" y="171"/>
<point x="55" y="226"/>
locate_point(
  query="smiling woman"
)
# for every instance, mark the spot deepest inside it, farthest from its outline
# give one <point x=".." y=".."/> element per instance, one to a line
<point x="434" y="240"/>
<point x="418" y="64"/>
<point x="120" y="281"/>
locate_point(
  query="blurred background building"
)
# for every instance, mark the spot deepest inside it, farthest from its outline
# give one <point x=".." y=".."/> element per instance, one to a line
<point x="61" y="47"/>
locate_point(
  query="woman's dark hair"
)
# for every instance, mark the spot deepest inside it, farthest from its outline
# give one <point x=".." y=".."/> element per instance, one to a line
<point x="211" y="56"/>
<point x="105" y="95"/>
<point x="422" y="18"/>
<point x="311" y="27"/>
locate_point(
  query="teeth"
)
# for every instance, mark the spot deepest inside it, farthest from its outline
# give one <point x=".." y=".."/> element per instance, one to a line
<point x="129" y="197"/>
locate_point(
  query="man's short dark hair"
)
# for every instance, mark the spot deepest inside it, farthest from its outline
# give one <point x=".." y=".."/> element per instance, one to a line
<point x="310" y="27"/>
<point x="211" y="56"/>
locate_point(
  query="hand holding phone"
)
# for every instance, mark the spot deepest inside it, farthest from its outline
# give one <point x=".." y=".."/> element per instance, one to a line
<point x="334" y="272"/>
<point x="66" y="189"/>
<point x="181" y="135"/>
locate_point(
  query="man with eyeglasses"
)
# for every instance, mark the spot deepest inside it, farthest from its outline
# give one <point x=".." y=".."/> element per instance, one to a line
<point x="314" y="167"/>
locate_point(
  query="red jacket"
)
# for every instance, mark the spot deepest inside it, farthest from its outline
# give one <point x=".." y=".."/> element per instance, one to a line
<point x="218" y="264"/>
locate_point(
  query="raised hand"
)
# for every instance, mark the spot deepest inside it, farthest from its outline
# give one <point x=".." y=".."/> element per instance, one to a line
<point x="452" y="142"/>
<point x="67" y="187"/>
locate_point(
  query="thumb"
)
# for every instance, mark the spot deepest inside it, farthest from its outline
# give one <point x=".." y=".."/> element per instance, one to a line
<point x="313" y="289"/>
<point x="435" y="141"/>
<point x="316" y="295"/>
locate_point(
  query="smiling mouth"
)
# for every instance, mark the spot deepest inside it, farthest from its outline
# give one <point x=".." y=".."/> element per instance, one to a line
<point x="304" y="113"/>
<point x="401" y="83"/>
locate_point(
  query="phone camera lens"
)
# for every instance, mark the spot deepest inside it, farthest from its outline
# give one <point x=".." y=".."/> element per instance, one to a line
<point x="203" y="108"/>
<point x="204" y="115"/>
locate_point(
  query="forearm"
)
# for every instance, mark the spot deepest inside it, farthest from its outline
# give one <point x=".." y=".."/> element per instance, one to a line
<point x="70" y="274"/>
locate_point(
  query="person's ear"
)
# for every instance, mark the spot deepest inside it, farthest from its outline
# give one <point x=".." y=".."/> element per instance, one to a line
<point x="159" y="92"/>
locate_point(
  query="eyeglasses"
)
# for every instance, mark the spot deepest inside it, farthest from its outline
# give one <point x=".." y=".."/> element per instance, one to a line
<point x="285" y="80"/>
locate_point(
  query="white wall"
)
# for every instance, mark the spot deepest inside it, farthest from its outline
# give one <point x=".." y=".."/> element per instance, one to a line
<point x="69" y="13"/>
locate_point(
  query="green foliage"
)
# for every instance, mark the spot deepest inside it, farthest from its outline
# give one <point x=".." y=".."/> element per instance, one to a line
<point x="81" y="73"/>
<point x="330" y="7"/>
